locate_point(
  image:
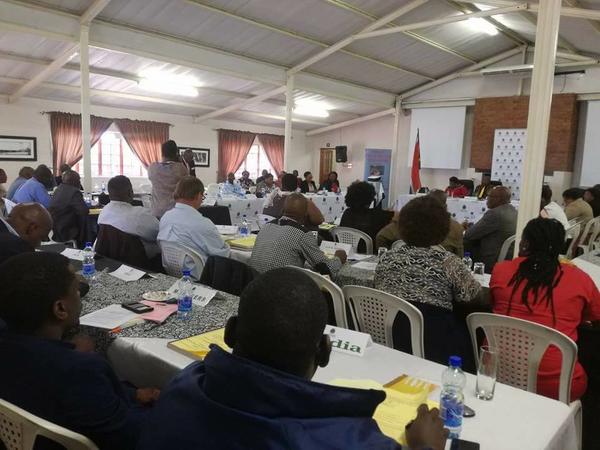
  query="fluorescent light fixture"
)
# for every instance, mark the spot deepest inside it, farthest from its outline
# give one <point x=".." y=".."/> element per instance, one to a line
<point x="168" y="83"/>
<point x="481" y="25"/>
<point x="311" y="108"/>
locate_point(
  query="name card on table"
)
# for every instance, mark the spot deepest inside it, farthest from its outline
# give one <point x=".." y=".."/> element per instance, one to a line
<point x="73" y="253"/>
<point x="201" y="295"/>
<point x="127" y="273"/>
<point x="348" y="341"/>
<point x="329" y="248"/>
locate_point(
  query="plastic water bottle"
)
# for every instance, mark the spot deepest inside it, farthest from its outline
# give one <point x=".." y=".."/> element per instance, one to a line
<point x="467" y="261"/>
<point x="103" y="188"/>
<point x="184" y="302"/>
<point x="244" y="228"/>
<point x="452" y="398"/>
<point x="89" y="264"/>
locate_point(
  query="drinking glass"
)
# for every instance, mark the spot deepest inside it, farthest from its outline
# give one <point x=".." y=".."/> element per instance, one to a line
<point x="486" y="373"/>
<point x="380" y="252"/>
<point x="479" y="268"/>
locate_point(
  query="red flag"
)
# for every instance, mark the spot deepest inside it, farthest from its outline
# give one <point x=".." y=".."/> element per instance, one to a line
<point x="415" y="178"/>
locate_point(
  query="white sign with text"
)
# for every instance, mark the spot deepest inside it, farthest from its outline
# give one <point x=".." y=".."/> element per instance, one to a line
<point x="348" y="341"/>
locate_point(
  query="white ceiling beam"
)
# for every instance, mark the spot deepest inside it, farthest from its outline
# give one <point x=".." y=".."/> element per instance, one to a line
<point x="442" y="21"/>
<point x="566" y="11"/>
<point x="576" y="4"/>
<point x="304" y="38"/>
<point x="240" y="105"/>
<point x="425" y="40"/>
<point x="41" y="20"/>
<point x="347" y="123"/>
<point x="47" y="72"/>
<point x="88" y="15"/>
<point x="344" y="42"/>
<point x="452" y="76"/>
<point x="149" y="99"/>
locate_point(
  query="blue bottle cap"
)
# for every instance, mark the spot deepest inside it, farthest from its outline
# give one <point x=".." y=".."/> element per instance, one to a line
<point x="186" y="273"/>
<point x="455" y="361"/>
<point x="88" y="244"/>
<point x="468" y="254"/>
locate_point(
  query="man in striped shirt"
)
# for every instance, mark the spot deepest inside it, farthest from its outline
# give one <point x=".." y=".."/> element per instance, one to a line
<point x="286" y="242"/>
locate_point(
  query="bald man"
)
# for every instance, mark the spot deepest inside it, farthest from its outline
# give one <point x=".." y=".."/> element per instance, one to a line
<point x="68" y="209"/>
<point x="27" y="225"/>
<point x="485" y="238"/>
<point x="287" y="242"/>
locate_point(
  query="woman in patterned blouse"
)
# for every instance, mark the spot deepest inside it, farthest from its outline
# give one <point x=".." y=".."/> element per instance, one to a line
<point x="429" y="277"/>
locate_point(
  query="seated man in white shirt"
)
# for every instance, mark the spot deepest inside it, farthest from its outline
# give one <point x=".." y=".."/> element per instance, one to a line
<point x="186" y="226"/>
<point x="552" y="210"/>
<point x="231" y="186"/>
<point x="135" y="220"/>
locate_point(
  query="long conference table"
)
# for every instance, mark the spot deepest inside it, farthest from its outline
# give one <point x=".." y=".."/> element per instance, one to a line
<point x="514" y="419"/>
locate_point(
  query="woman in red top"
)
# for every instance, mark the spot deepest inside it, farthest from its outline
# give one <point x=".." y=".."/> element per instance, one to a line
<point x="537" y="287"/>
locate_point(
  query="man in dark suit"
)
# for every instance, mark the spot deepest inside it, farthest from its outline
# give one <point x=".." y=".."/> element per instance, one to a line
<point x="68" y="209"/>
<point x="486" y="237"/>
<point x="24" y="229"/>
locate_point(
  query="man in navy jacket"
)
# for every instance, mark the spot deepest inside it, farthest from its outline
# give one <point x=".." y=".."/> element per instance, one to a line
<point x="261" y="396"/>
<point x="48" y="377"/>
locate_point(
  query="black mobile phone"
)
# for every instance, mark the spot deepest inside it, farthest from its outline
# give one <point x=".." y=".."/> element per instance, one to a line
<point x="468" y="412"/>
<point x="137" y="307"/>
<point x="459" y="444"/>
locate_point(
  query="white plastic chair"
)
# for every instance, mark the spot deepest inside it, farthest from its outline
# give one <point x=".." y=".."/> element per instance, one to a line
<point x="589" y="234"/>
<point x="375" y="314"/>
<point x="506" y="247"/>
<point x="337" y="296"/>
<point x="351" y="236"/>
<point x="19" y="429"/>
<point x="521" y="344"/>
<point x="72" y="242"/>
<point x="213" y="190"/>
<point x="176" y="257"/>
<point x="263" y="219"/>
<point x="396" y="244"/>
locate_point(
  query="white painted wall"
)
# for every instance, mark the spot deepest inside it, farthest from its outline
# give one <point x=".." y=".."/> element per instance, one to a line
<point x="24" y="118"/>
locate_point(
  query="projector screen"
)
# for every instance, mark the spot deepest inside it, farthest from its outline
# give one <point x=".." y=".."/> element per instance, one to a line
<point x="590" y="173"/>
<point x="441" y="136"/>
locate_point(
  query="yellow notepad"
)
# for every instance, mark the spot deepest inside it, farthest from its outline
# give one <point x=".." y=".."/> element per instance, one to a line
<point x="197" y="347"/>
<point x="396" y="411"/>
<point x="246" y="243"/>
<point x="327" y="226"/>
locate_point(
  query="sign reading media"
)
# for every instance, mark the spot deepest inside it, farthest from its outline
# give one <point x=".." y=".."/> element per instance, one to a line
<point x="348" y="341"/>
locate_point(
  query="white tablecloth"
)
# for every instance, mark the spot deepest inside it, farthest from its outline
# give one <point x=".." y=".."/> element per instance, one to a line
<point x="461" y="209"/>
<point x="332" y="206"/>
<point x="514" y="419"/>
<point x="590" y="264"/>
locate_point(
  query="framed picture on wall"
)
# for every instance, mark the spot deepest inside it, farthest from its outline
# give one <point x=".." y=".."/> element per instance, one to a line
<point x="18" y="148"/>
<point x="201" y="155"/>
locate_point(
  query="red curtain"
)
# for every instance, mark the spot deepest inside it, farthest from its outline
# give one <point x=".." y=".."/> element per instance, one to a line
<point x="145" y="138"/>
<point x="66" y="137"/>
<point x="234" y="147"/>
<point x="273" y="146"/>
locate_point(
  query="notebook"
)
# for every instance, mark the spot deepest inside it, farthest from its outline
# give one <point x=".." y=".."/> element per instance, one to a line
<point x="246" y="243"/>
<point x="197" y="347"/>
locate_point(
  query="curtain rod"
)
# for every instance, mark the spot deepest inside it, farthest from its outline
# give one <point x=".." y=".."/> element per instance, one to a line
<point x="111" y="118"/>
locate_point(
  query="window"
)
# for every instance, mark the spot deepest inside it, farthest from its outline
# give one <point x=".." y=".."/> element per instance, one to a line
<point x="112" y="156"/>
<point x="255" y="162"/>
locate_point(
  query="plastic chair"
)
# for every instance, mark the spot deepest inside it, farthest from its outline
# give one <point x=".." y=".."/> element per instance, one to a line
<point x="521" y="345"/>
<point x="375" y="314"/>
<point x="176" y="257"/>
<point x="396" y="244"/>
<point x="19" y="430"/>
<point x="506" y="247"/>
<point x="71" y="242"/>
<point x="263" y="219"/>
<point x="351" y="236"/>
<point x="589" y="235"/>
<point x="337" y="296"/>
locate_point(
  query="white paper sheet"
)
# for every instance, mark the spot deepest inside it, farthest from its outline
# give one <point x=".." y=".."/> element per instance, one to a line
<point x="358" y="257"/>
<point x="201" y="295"/>
<point x="329" y="247"/>
<point x="127" y="273"/>
<point x="73" y="253"/>
<point x="365" y="265"/>
<point x="227" y="229"/>
<point x="108" y="318"/>
<point x="484" y="279"/>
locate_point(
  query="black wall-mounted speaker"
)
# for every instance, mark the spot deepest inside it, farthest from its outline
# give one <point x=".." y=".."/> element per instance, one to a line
<point x="341" y="154"/>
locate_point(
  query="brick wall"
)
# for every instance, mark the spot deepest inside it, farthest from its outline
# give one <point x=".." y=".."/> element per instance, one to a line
<point x="511" y="112"/>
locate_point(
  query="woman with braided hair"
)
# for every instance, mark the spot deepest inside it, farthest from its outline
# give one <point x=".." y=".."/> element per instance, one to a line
<point x="537" y="287"/>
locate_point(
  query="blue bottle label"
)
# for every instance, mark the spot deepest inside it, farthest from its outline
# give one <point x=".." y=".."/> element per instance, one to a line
<point x="451" y="411"/>
<point x="184" y="304"/>
<point x="88" y="269"/>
